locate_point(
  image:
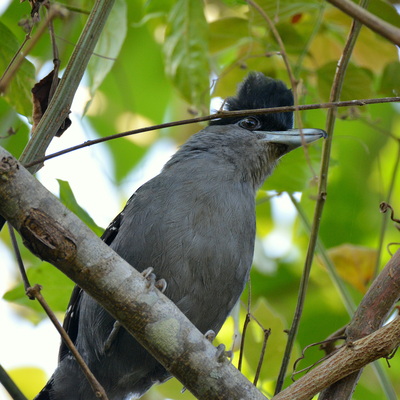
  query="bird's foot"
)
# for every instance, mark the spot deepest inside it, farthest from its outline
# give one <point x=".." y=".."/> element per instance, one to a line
<point x="223" y="354"/>
<point x="148" y="274"/>
<point x="210" y="335"/>
<point x="161" y="285"/>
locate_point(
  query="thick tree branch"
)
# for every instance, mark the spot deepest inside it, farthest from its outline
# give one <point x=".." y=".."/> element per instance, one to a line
<point x="56" y="235"/>
<point x="378" y="25"/>
<point x="350" y="358"/>
<point x="370" y="315"/>
<point x="379" y="301"/>
<point x="359" y="349"/>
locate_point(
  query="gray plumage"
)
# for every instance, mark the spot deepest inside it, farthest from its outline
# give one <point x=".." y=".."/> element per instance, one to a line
<point x="194" y="224"/>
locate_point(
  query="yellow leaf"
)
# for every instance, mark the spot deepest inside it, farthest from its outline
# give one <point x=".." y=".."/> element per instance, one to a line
<point x="30" y="380"/>
<point x="355" y="264"/>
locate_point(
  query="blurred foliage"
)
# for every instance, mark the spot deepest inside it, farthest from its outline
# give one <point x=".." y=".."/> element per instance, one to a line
<point x="154" y="64"/>
<point x="29" y="380"/>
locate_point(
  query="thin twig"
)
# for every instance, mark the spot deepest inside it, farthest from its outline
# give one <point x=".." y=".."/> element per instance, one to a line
<point x="30" y="44"/>
<point x="18" y="257"/>
<point x="60" y="104"/>
<point x="34" y="293"/>
<point x="322" y="190"/>
<point x="376" y="24"/>
<point x="306" y="47"/>
<point x="341" y="287"/>
<point x="56" y="58"/>
<point x="10" y="385"/>
<point x="294" y="82"/>
<point x="267" y="333"/>
<point x="224" y="114"/>
<point x="385" y="219"/>
<point x="245" y="325"/>
<point x="97" y="388"/>
<point x="303" y="355"/>
<point x="16" y="55"/>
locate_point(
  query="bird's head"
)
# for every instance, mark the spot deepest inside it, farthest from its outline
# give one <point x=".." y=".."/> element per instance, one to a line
<point x="258" y="91"/>
<point x="249" y="147"/>
<point x="263" y="138"/>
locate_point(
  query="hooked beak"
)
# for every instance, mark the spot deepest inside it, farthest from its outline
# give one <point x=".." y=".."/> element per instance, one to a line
<point x="293" y="138"/>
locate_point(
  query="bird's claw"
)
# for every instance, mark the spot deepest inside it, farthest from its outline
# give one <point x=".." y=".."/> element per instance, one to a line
<point x="161" y="285"/>
<point x="210" y="335"/>
<point x="148" y="274"/>
<point x="223" y="354"/>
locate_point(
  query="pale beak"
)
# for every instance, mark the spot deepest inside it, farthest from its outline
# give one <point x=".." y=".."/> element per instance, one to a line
<point x="293" y="138"/>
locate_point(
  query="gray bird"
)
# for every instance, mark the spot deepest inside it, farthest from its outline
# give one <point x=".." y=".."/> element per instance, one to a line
<point x="194" y="224"/>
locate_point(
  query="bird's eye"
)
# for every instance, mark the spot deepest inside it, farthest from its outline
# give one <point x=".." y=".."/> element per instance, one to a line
<point x="249" y="123"/>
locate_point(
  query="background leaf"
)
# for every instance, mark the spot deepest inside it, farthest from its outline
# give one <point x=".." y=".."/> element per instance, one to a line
<point x="185" y="50"/>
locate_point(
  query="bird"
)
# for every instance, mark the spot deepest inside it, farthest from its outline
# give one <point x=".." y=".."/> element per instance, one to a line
<point x="194" y="225"/>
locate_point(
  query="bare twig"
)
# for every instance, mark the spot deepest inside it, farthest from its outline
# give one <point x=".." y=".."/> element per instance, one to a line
<point x="60" y="104"/>
<point x="267" y="333"/>
<point x="294" y="82"/>
<point x="391" y="187"/>
<point x="34" y="293"/>
<point x="322" y="190"/>
<point x="378" y="25"/>
<point x="241" y="352"/>
<point x="18" y="257"/>
<point x="10" y="385"/>
<point x="223" y="114"/>
<point x="30" y="44"/>
<point x="345" y="389"/>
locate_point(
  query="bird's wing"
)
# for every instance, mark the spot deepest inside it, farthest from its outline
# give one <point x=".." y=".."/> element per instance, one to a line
<point x="71" y="319"/>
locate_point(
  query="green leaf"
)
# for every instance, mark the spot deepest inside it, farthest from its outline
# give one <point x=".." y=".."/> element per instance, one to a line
<point x="108" y="46"/>
<point x="136" y="86"/>
<point x="283" y="9"/>
<point x="158" y="7"/>
<point x="13" y="131"/>
<point x="186" y="50"/>
<point x="227" y="32"/>
<point x="384" y="10"/>
<point x="390" y="82"/>
<point x="18" y="93"/>
<point x="296" y="170"/>
<point x="358" y="83"/>
<point x="56" y="288"/>
<point x="68" y="199"/>
<point x="353" y="186"/>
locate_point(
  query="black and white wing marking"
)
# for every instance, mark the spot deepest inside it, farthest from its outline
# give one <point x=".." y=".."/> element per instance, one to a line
<point x="71" y="320"/>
